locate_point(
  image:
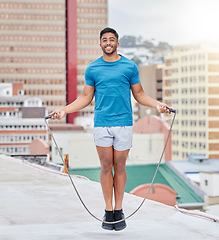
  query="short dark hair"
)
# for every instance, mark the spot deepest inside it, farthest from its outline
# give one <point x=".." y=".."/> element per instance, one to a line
<point x="107" y="30"/>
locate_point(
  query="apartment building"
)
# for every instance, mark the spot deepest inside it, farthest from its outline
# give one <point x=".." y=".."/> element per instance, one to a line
<point x="191" y="85"/>
<point x="46" y="45"/>
<point x="21" y="119"/>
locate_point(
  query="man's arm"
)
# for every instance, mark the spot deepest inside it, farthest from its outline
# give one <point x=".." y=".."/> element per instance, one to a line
<point x="142" y="98"/>
<point x="81" y="102"/>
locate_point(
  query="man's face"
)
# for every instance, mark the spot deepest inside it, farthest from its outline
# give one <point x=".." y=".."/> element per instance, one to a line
<point x="109" y="43"/>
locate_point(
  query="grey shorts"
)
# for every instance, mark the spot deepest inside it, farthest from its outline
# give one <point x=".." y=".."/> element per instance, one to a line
<point x="118" y="137"/>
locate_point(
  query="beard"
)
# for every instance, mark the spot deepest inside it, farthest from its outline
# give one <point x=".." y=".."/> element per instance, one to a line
<point x="109" y="53"/>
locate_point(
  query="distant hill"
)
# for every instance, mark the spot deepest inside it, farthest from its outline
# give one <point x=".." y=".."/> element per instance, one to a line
<point x="151" y="51"/>
<point x="152" y="45"/>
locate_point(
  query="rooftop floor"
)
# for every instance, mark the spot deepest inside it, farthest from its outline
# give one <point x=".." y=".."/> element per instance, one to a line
<point x="37" y="203"/>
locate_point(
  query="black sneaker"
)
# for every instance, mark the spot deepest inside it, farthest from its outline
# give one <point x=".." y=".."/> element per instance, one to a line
<point x="108" y="217"/>
<point x="118" y="215"/>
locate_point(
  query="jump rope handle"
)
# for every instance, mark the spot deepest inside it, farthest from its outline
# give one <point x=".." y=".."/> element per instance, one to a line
<point x="171" y="110"/>
<point x="49" y="116"/>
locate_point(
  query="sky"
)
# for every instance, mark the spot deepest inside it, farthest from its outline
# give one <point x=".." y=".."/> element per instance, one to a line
<point x="172" y="21"/>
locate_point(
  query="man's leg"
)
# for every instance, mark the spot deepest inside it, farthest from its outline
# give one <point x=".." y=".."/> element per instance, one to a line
<point x="119" y="176"/>
<point x="106" y="180"/>
<point x="106" y="175"/>
<point x="119" y="186"/>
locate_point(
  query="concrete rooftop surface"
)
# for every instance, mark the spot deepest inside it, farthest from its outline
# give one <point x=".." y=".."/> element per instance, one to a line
<point x="38" y="203"/>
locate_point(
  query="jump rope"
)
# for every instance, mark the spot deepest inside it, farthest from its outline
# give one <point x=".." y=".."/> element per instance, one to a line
<point x="74" y="186"/>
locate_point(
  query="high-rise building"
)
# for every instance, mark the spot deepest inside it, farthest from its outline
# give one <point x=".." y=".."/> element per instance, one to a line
<point x="191" y="85"/>
<point x="32" y="48"/>
<point x="46" y="45"/>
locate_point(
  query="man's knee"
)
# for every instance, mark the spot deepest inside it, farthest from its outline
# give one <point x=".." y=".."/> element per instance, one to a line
<point x="106" y="165"/>
<point x="119" y="167"/>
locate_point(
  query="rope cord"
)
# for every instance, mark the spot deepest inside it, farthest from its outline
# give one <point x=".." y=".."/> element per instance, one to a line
<point x="197" y="214"/>
<point x="81" y="200"/>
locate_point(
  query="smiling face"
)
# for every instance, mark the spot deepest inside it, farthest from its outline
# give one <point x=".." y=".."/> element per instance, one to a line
<point x="109" y="43"/>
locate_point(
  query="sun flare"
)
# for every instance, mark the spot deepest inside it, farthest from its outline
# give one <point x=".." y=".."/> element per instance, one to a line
<point x="202" y="20"/>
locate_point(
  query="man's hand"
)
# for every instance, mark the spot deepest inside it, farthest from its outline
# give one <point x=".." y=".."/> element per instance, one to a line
<point x="57" y="114"/>
<point x="163" y="108"/>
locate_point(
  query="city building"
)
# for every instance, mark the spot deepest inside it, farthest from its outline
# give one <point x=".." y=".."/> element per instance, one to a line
<point x="33" y="50"/>
<point x="21" y="118"/>
<point x="92" y="17"/>
<point x="191" y="86"/>
<point x="209" y="184"/>
<point x="202" y="172"/>
<point x="47" y="46"/>
<point x="151" y="80"/>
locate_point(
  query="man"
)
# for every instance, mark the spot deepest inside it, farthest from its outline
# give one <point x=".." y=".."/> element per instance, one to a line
<point x="111" y="78"/>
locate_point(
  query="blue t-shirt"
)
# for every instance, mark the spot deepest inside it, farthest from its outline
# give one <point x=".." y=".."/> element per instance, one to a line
<point x="112" y="82"/>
